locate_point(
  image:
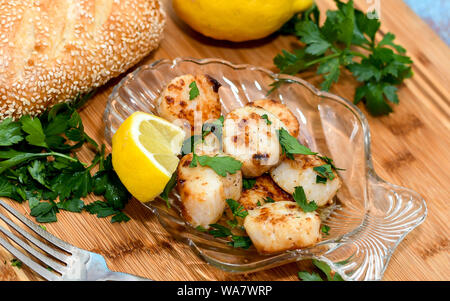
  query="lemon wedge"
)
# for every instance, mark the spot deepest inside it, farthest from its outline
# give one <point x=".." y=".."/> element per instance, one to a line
<point x="144" y="154"/>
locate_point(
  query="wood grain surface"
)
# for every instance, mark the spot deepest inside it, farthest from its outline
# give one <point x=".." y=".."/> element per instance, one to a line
<point x="411" y="148"/>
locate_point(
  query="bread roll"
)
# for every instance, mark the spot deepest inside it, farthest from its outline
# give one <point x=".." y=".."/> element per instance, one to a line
<point x="52" y="50"/>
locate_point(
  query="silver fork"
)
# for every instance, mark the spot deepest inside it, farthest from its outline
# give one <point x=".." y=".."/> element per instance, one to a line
<point x="79" y="265"/>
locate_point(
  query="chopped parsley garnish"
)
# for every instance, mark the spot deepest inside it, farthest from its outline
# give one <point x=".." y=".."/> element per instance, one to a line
<point x="264" y="116"/>
<point x="220" y="164"/>
<point x="347" y="40"/>
<point x="269" y="200"/>
<point x="300" y="197"/>
<point x="325" y="229"/>
<point x="330" y="161"/>
<point x="38" y="164"/>
<point x="290" y="146"/>
<point x="16" y="263"/>
<point x="200" y="228"/>
<point x="320" y="180"/>
<point x="243" y="242"/>
<point x="325" y="171"/>
<point x="236" y="208"/>
<point x="237" y="241"/>
<point x="193" y="92"/>
<point x="324" y="268"/>
<point x="219" y="231"/>
<point x="169" y="186"/>
<point x="248" y="183"/>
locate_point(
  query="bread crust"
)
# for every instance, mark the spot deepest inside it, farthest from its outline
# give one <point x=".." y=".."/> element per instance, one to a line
<point x="53" y="50"/>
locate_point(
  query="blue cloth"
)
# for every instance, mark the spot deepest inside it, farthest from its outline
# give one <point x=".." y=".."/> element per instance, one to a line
<point x="435" y="13"/>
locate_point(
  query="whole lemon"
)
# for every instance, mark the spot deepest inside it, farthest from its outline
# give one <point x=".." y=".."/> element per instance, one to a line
<point x="237" y="20"/>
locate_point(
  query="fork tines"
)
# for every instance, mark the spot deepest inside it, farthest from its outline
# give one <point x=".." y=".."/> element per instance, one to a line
<point x="26" y="259"/>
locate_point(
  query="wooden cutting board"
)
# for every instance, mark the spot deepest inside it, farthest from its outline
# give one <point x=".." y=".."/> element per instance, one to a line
<point x="411" y="148"/>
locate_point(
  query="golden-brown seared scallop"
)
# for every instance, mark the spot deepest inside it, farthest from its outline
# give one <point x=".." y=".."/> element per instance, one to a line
<point x="282" y="112"/>
<point x="281" y="226"/>
<point x="203" y="192"/>
<point x="250" y="136"/>
<point x="264" y="189"/>
<point x="300" y="172"/>
<point x="175" y="103"/>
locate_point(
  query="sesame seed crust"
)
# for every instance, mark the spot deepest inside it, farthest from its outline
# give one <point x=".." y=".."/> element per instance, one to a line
<point x="52" y="50"/>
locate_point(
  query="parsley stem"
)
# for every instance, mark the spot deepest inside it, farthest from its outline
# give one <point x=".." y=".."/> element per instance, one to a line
<point x="325" y="58"/>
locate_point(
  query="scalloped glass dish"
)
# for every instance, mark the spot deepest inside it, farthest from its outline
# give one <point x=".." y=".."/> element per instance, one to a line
<point x="370" y="216"/>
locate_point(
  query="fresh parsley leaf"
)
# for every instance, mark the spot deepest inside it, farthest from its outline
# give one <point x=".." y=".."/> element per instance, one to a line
<point x="269" y="200"/>
<point x="168" y="188"/>
<point x="220" y="164"/>
<point x="243" y="242"/>
<point x="321" y="180"/>
<point x="120" y="217"/>
<point x="16" y="263"/>
<point x="325" y="171"/>
<point x="100" y="208"/>
<point x="219" y="231"/>
<point x="45" y="212"/>
<point x="347" y="40"/>
<point x="264" y="116"/>
<point x="33" y="127"/>
<point x="291" y="146"/>
<point x="10" y="132"/>
<point x="305" y="276"/>
<point x="330" y="162"/>
<point x="72" y="205"/>
<point x="300" y="197"/>
<point x="258" y="203"/>
<point x="200" y="228"/>
<point x="325" y="268"/>
<point x="248" y="183"/>
<point x="236" y="208"/>
<point x="193" y="92"/>
<point x="325" y="229"/>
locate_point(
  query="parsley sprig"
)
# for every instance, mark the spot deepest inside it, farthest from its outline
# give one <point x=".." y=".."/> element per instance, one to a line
<point x="38" y="164"/>
<point x="347" y="39"/>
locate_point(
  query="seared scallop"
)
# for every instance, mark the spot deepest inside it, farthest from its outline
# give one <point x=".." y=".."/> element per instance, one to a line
<point x="282" y="112"/>
<point x="250" y="136"/>
<point x="189" y="101"/>
<point x="264" y="190"/>
<point x="203" y="192"/>
<point x="300" y="172"/>
<point x="281" y="226"/>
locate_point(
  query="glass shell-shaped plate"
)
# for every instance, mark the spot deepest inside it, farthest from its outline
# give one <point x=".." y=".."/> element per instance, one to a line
<point x="370" y="216"/>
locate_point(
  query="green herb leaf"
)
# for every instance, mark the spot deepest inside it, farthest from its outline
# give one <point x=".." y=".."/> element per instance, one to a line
<point x="264" y="116"/>
<point x="347" y="40"/>
<point x="219" y="231"/>
<point x="248" y="183"/>
<point x="269" y="200"/>
<point x="221" y="165"/>
<point x="305" y="276"/>
<point x="243" y="242"/>
<point x="325" y="268"/>
<point x="325" y="229"/>
<point x="10" y="132"/>
<point x="291" y="146"/>
<point x="193" y="92"/>
<point x="300" y="197"/>
<point x="236" y="208"/>
<point x="33" y="127"/>
<point x="325" y="171"/>
<point x="168" y="188"/>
